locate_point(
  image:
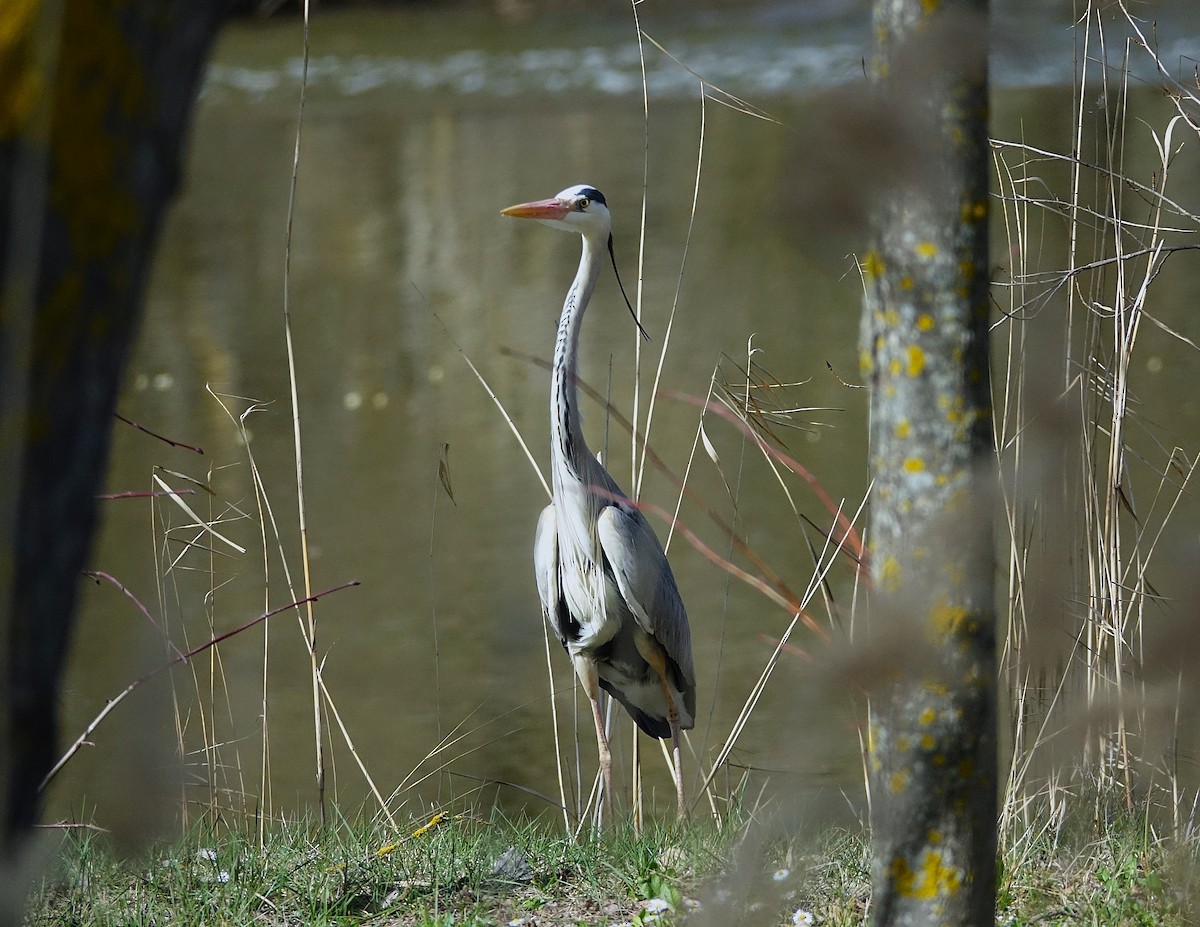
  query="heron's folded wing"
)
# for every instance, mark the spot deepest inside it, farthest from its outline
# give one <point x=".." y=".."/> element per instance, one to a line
<point x="646" y="583"/>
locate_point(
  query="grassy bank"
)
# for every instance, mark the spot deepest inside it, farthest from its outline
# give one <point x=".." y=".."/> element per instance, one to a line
<point x="470" y="870"/>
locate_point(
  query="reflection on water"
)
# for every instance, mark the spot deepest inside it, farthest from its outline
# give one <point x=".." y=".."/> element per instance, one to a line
<point x="400" y="265"/>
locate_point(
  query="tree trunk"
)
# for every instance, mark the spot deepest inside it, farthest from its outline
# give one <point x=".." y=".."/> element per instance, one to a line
<point x="95" y="97"/>
<point x="925" y="351"/>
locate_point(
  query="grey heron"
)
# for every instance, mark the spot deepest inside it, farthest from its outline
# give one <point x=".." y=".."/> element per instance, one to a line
<point x="606" y="587"/>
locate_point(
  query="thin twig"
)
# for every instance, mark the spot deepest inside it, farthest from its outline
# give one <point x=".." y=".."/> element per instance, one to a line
<point x="182" y="658"/>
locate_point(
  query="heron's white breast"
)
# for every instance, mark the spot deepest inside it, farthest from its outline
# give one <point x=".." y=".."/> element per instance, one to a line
<point x="594" y="600"/>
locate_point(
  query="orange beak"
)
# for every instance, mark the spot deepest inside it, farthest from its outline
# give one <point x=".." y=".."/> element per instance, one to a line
<point x="541" y="209"/>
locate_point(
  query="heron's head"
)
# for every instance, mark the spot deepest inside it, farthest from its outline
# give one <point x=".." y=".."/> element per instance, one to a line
<point x="580" y="209"/>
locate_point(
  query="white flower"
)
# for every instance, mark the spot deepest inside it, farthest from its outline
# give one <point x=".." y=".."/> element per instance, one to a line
<point x="223" y="875"/>
<point x="780" y="874"/>
<point x="722" y="896"/>
<point x="207" y="855"/>
<point x="802" y="918"/>
<point x="693" y="904"/>
<point x="516" y="922"/>
<point x="656" y="905"/>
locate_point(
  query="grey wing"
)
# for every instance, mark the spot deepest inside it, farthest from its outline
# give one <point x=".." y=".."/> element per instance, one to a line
<point x="646" y="583"/>
<point x="545" y="568"/>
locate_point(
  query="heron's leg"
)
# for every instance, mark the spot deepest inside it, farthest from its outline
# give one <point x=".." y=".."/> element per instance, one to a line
<point x="652" y="653"/>
<point x="585" y="669"/>
<point x="676" y="757"/>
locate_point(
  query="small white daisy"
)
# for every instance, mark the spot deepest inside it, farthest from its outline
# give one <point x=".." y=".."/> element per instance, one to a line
<point x="207" y="855"/>
<point x="223" y="875"/>
<point x="656" y="905"/>
<point x="780" y="874"/>
<point x="802" y="918"/>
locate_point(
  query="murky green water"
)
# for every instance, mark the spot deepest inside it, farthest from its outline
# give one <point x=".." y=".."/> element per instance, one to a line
<point x="419" y="129"/>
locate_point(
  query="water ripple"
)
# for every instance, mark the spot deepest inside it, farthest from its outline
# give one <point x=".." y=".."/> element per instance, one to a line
<point x="748" y="62"/>
<point x="604" y="71"/>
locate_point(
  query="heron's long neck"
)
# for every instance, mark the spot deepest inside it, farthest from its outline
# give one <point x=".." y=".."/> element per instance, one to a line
<point x="566" y="435"/>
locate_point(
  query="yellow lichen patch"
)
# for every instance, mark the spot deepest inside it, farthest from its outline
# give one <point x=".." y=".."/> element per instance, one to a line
<point x="930" y="6"/>
<point x="926" y="250"/>
<point x="939" y="759"/>
<point x="894" y="367"/>
<point x="21" y="80"/>
<point x="936" y="878"/>
<point x="947" y="619"/>
<point x="924" y="322"/>
<point x="933" y="878"/>
<point x="891" y="317"/>
<point x="432" y="823"/>
<point x="898" y="781"/>
<point x="866" y="363"/>
<point x="914" y="464"/>
<point x="906" y="282"/>
<point x="872" y="264"/>
<point x="916" y="360"/>
<point x="903" y="428"/>
<point x="892" y="574"/>
<point x="928" y="742"/>
<point x="967" y="269"/>
<point x="101" y="82"/>
<point x="928" y="716"/>
<point x="934" y="838"/>
<point x="901" y="875"/>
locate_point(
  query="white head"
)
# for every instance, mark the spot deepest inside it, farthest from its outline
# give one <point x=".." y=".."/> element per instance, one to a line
<point x="581" y="209"/>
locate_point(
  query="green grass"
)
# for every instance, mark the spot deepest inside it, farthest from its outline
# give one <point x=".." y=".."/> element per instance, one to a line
<point x="1115" y="879"/>
<point x="361" y="873"/>
<point x="736" y="874"/>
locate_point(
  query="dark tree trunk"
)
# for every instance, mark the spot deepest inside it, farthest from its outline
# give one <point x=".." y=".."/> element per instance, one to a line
<point x="925" y="351"/>
<point x="95" y="97"/>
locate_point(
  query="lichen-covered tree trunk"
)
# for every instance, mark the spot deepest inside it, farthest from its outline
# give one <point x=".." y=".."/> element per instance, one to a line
<point x="925" y="353"/>
<point x="94" y="103"/>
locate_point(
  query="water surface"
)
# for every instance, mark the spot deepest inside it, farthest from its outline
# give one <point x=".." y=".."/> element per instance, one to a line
<point x="419" y="128"/>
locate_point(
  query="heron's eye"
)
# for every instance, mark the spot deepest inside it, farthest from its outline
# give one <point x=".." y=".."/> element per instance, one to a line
<point x="583" y="203"/>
